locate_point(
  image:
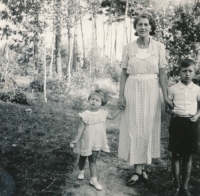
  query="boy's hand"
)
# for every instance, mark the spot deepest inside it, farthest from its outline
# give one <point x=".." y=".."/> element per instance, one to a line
<point x="169" y="110"/>
<point x="194" y="118"/>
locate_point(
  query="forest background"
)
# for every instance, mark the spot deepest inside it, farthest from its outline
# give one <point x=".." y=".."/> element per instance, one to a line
<point x="52" y="54"/>
<point x="73" y="44"/>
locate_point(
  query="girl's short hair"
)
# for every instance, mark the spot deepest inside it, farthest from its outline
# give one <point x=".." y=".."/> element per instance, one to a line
<point x="100" y="93"/>
<point x="186" y="63"/>
<point x="151" y="22"/>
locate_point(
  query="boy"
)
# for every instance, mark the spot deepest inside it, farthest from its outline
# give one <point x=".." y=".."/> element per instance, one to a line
<point x="183" y="129"/>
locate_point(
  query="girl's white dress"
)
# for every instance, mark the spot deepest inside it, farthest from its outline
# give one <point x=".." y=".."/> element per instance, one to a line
<point x="94" y="134"/>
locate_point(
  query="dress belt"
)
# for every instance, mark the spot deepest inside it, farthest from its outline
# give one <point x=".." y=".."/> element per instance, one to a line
<point x="144" y="76"/>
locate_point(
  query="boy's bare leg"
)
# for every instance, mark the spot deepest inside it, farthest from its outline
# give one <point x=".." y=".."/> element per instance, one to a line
<point x="176" y="164"/>
<point x="186" y="170"/>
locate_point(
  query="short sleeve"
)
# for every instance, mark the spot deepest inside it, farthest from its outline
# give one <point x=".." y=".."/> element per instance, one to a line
<point x="170" y="94"/>
<point x="124" y="58"/>
<point x="162" y="57"/>
<point x="198" y="95"/>
<point x="92" y="117"/>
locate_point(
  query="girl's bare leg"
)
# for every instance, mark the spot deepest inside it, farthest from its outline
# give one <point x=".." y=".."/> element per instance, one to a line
<point x="92" y="163"/>
<point x="93" y="170"/>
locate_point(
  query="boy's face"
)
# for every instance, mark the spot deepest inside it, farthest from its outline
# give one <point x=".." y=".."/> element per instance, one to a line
<point x="187" y="74"/>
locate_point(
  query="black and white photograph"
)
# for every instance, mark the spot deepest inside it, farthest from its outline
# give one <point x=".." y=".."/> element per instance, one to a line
<point x="99" y="97"/>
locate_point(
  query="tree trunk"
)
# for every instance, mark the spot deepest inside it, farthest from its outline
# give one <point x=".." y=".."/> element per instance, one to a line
<point x="52" y="45"/>
<point x="115" y="46"/>
<point x="111" y="37"/>
<point x="83" y="42"/>
<point x="58" y="35"/>
<point x="103" y="35"/>
<point x="95" y="24"/>
<point x="125" y="18"/>
<point x="52" y="55"/>
<point x="45" y="72"/>
<point x="109" y="22"/>
<point x="93" y="45"/>
<point x="36" y="40"/>
<point x="75" y="46"/>
<point x="69" y="62"/>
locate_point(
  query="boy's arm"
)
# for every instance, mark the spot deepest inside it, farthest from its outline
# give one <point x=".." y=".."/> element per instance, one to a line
<point x="197" y="115"/>
<point x="114" y="114"/>
<point x="81" y="128"/>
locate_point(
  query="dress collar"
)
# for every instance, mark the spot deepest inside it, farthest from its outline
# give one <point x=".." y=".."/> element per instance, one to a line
<point x="150" y="49"/>
<point x="181" y="85"/>
<point x="90" y="112"/>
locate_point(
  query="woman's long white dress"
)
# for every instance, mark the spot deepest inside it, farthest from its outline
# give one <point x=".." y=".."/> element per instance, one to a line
<point x="139" y="139"/>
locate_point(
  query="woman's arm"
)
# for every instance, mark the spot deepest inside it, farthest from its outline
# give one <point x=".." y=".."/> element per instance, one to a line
<point x="113" y="115"/>
<point x="81" y="128"/>
<point x="123" y="78"/>
<point x="163" y="84"/>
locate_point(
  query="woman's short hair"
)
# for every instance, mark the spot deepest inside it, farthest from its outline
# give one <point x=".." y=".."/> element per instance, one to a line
<point x="151" y="22"/>
<point x="186" y="63"/>
<point x="100" y="93"/>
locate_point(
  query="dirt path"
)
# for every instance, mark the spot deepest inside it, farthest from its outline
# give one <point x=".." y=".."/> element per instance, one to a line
<point x="112" y="172"/>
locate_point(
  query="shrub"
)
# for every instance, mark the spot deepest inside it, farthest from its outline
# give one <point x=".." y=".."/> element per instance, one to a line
<point x="36" y="86"/>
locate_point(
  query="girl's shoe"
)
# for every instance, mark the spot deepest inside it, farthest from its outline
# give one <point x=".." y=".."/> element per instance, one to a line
<point x="81" y="175"/>
<point x="132" y="182"/>
<point x="144" y="177"/>
<point x="96" y="185"/>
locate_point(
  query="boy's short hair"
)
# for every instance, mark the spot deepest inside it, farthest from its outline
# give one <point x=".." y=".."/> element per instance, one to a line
<point x="100" y="93"/>
<point x="186" y="63"/>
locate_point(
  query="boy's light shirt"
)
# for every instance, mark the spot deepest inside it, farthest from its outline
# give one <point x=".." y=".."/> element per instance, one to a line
<point x="185" y="98"/>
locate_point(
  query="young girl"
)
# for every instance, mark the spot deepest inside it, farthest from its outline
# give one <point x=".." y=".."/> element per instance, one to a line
<point x="91" y="136"/>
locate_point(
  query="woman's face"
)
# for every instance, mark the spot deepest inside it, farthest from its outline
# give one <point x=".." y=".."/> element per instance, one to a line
<point x="143" y="28"/>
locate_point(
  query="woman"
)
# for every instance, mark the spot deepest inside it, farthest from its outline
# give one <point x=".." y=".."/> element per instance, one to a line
<point x="143" y="62"/>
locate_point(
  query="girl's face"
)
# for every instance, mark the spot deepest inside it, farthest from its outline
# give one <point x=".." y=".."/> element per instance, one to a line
<point x="94" y="103"/>
<point x="143" y="28"/>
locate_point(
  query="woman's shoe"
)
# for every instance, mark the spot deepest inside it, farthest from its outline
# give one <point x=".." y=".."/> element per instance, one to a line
<point x="132" y="182"/>
<point x="144" y="178"/>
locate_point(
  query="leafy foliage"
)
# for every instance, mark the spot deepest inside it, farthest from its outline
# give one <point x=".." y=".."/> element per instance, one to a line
<point x="180" y="31"/>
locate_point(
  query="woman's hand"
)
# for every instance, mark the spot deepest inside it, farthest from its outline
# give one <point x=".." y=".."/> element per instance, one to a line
<point x="122" y="103"/>
<point x="169" y="111"/>
<point x="169" y="103"/>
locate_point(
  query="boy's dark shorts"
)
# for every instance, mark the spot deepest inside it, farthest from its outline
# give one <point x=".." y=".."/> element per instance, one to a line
<point x="183" y="136"/>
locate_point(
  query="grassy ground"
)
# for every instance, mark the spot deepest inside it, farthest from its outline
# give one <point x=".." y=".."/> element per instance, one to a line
<point x="34" y="146"/>
<point x="34" y="149"/>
